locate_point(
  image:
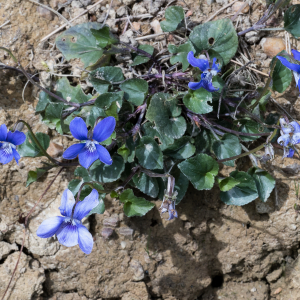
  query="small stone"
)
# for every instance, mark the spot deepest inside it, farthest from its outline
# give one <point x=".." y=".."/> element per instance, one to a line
<point x="253" y="37"/>
<point x="127" y="2"/>
<point x="121" y="11"/>
<point x="293" y="226"/>
<point x="237" y="6"/>
<point x="107" y="232"/>
<point x="253" y="290"/>
<point x="272" y="277"/>
<point x="189" y="13"/>
<point x="55" y="150"/>
<point x="272" y="46"/>
<point x="155" y="25"/>
<point x="126" y="231"/>
<point x="138" y="271"/>
<point x="209" y="2"/>
<point x="136" y="26"/>
<point x="279" y="290"/>
<point x="45" y="13"/>
<point x="123" y="244"/>
<point x="112" y="222"/>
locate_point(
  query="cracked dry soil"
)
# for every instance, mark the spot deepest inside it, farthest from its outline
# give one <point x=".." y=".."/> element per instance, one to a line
<point x="212" y="251"/>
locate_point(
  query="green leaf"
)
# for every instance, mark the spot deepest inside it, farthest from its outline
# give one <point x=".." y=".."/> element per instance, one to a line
<point x="29" y="147"/>
<point x="105" y="100"/>
<point x="197" y="100"/>
<point x="219" y="35"/>
<point x="71" y="93"/>
<point x="181" y="54"/>
<point x="93" y="114"/>
<point x="218" y="83"/>
<point x="83" y="173"/>
<point x="249" y="126"/>
<point x="292" y="20"/>
<point x="146" y="184"/>
<point x="134" y="206"/>
<point x="243" y="193"/>
<point x="79" y="42"/>
<point x="163" y="140"/>
<point x="166" y="116"/>
<point x="99" y="209"/>
<point x="44" y="100"/>
<point x="35" y="175"/>
<point x="149" y="154"/>
<point x="227" y="183"/>
<point x="200" y="170"/>
<point x="174" y="15"/>
<point x="74" y="185"/>
<point x="265" y="183"/>
<point x="227" y="147"/>
<point x="181" y="149"/>
<point x="103" y="77"/>
<point x="141" y="59"/>
<point x="282" y="76"/>
<point x="101" y="172"/>
<point x="204" y="141"/>
<point x="103" y="37"/>
<point x="124" y="152"/>
<point x="135" y="90"/>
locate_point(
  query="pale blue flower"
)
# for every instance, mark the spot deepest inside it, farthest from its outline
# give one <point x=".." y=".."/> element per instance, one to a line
<point x="290" y="136"/>
<point x="209" y="70"/>
<point x="69" y="230"/>
<point x="294" y="67"/>
<point x="8" y="142"/>
<point x="90" y="150"/>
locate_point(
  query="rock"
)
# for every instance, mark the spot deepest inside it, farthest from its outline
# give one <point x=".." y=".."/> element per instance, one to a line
<point x="126" y="231"/>
<point x="272" y="46"/>
<point x="209" y="2"/>
<point x="6" y="248"/>
<point x="81" y="3"/>
<point x="222" y="2"/>
<point x="138" y="271"/>
<point x="136" y="26"/>
<point x="107" y="232"/>
<point x="137" y="291"/>
<point x="27" y="282"/>
<point x="237" y="6"/>
<point x="139" y="9"/>
<point x="112" y="222"/>
<point x="45" y="13"/>
<point x="155" y="25"/>
<point x="127" y="2"/>
<point x="55" y="150"/>
<point x="122" y="11"/>
<point x="253" y="37"/>
<point x="272" y="277"/>
<point x="278" y="291"/>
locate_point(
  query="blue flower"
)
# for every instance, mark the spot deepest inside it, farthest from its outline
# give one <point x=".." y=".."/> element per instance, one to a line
<point x="294" y="67"/>
<point x="169" y="206"/>
<point x="209" y="70"/>
<point x="90" y="150"/>
<point x="8" y="142"/>
<point x="70" y="231"/>
<point x="290" y="136"/>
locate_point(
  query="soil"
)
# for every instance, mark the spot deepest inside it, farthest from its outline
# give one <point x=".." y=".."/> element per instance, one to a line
<point x="212" y="251"/>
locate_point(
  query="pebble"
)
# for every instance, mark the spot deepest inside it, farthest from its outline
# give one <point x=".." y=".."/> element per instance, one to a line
<point x="126" y="231"/>
<point x="45" y="13"/>
<point x="112" y="222"/>
<point x="138" y="271"/>
<point x="121" y="11"/>
<point x="127" y="2"/>
<point x="155" y="25"/>
<point x="136" y="26"/>
<point x="253" y="37"/>
<point x="107" y="232"/>
<point x="237" y="5"/>
<point x="253" y="290"/>
<point x="278" y="291"/>
<point x="272" y="46"/>
<point x="55" y="150"/>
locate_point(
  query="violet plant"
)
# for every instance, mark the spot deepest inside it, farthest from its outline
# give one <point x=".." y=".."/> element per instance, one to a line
<point x="159" y="131"/>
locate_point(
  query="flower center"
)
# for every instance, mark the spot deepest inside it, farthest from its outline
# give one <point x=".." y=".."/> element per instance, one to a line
<point x="70" y="221"/>
<point x="7" y="147"/>
<point x="90" y="146"/>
